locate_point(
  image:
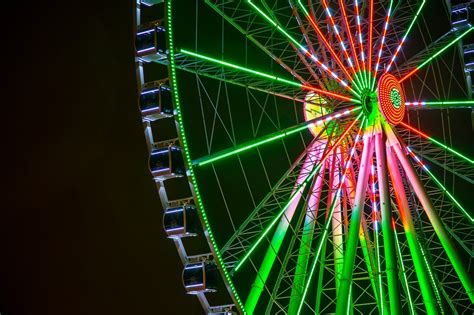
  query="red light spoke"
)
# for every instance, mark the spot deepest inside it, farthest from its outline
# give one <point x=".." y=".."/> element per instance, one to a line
<point x="338" y="35"/>
<point x="382" y="42"/>
<point x="371" y="20"/>
<point x="348" y="31"/>
<point x="322" y="38"/>
<point x="359" y="31"/>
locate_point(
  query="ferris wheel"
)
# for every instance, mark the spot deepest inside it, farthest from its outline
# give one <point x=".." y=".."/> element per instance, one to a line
<point x="308" y="153"/>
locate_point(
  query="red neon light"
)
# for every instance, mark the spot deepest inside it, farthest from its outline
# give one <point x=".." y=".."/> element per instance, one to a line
<point x="393" y="112"/>
<point x="408" y="75"/>
<point x="415" y="130"/>
<point x="326" y="8"/>
<point x="335" y="95"/>
<point x="359" y="29"/>
<point x="348" y="30"/>
<point x="331" y="50"/>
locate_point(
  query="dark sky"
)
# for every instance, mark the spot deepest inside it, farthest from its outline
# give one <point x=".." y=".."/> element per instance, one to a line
<point x="81" y="229"/>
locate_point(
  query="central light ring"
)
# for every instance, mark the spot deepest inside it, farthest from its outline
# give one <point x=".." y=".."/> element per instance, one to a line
<point x="391" y="99"/>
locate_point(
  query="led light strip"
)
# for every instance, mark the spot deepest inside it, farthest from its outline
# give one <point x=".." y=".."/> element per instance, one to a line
<point x="434" y="103"/>
<point x="338" y="35"/>
<point x="316" y="27"/>
<point x="404" y="37"/>
<point x="274" y="136"/>
<point x="328" y="221"/>
<point x="382" y="42"/>
<point x="423" y="135"/>
<point x="303" y="49"/>
<point x="436" y="55"/>
<point x="438" y="182"/>
<point x="270" y="77"/>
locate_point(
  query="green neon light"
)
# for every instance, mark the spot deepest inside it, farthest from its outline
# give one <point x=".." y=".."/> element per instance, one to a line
<point x="187" y="156"/>
<point x="265" y="75"/>
<point x="432" y="280"/>
<point x="437" y="142"/>
<point x="272" y="137"/>
<point x="405" y="280"/>
<point x="277" y="217"/>
<point x="443" y="188"/>
<point x="323" y="237"/>
<point x="299" y="189"/>
<point x="444" y="48"/>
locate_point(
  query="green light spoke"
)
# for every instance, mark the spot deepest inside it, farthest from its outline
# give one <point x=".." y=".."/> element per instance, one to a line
<point x="270" y="77"/>
<point x="274" y="136"/>
<point x="322" y="239"/>
<point x="440" y="104"/>
<point x="303" y="49"/>
<point x="442" y="145"/>
<point x="298" y="190"/>
<point x="403" y="272"/>
<point x="424" y="63"/>
<point x="405" y="36"/>
<point x="443" y="188"/>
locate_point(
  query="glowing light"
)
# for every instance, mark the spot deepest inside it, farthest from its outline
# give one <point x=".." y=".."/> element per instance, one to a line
<point x="382" y="42"/>
<point x="295" y="194"/>
<point x="359" y="31"/>
<point x="437" y="142"/>
<point x="440" y="185"/>
<point x="405" y="37"/>
<point x="270" y="77"/>
<point x="322" y="37"/>
<point x="440" y="103"/>
<point x="338" y="35"/>
<point x="272" y="137"/>
<point x="436" y="54"/>
<point x="391" y="99"/>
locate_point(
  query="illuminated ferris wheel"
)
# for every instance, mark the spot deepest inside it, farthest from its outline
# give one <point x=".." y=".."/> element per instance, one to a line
<point x="286" y="142"/>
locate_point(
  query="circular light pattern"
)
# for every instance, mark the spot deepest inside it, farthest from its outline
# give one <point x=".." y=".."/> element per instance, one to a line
<point x="395" y="98"/>
<point x="315" y="106"/>
<point x="391" y="99"/>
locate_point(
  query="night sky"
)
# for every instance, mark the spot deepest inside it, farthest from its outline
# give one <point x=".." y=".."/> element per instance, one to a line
<point x="81" y="229"/>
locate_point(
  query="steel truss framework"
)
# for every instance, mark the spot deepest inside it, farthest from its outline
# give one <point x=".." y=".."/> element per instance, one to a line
<point x="312" y="197"/>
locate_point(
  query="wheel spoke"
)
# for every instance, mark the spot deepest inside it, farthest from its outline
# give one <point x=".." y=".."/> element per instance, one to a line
<point x="274" y="136"/>
<point x="322" y="38"/>
<point x="269" y="76"/>
<point x="303" y="49"/>
<point x="322" y="238"/>
<point x="439" y="52"/>
<point x="338" y="35"/>
<point x="399" y="47"/>
<point x="440" y="104"/>
<point x="438" y="182"/>
<point x="437" y="142"/>
<point x="384" y="34"/>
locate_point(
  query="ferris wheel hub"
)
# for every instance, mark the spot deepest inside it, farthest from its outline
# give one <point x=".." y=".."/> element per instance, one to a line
<point x="391" y="99"/>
